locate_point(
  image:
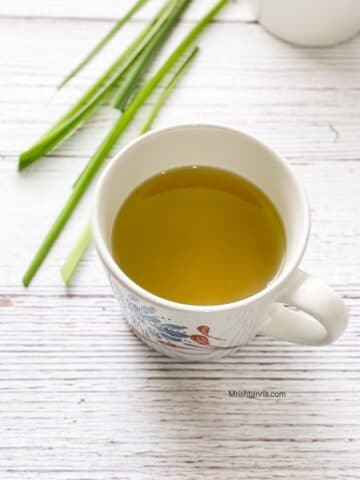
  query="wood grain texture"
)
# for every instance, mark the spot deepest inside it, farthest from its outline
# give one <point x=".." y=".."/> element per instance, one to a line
<point x="80" y="397"/>
<point x="113" y="9"/>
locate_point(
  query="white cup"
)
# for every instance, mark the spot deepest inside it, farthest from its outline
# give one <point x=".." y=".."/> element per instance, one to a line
<point x="311" y="23"/>
<point x="211" y="332"/>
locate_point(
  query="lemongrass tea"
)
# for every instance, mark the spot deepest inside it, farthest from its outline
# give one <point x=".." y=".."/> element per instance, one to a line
<point x="199" y="235"/>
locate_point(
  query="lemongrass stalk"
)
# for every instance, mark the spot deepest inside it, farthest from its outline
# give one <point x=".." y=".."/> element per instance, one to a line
<point x="54" y="137"/>
<point x="72" y="260"/>
<point x="153" y="25"/>
<point x="143" y="94"/>
<point x="100" y="45"/>
<point x="142" y="64"/>
<point x="168" y="89"/>
<point x="163" y="97"/>
<point x="110" y="140"/>
<point x="95" y="94"/>
<point x="132" y="80"/>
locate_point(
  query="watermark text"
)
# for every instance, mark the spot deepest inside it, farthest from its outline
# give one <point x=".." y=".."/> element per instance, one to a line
<point x="256" y="394"/>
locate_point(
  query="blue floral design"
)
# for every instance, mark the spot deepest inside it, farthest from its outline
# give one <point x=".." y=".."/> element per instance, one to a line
<point x="147" y="322"/>
<point x="150" y="324"/>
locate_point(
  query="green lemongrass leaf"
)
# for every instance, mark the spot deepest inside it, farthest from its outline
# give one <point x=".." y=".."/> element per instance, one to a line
<point x="73" y="259"/>
<point x="163" y="97"/>
<point x="95" y="94"/>
<point x="100" y="45"/>
<point x="134" y="91"/>
<point x="132" y="80"/>
<point x="154" y="23"/>
<point x="168" y="89"/>
<point x="110" y="140"/>
<point x="171" y="61"/>
<point x="143" y="61"/>
<point x="65" y="129"/>
<point x="76" y="253"/>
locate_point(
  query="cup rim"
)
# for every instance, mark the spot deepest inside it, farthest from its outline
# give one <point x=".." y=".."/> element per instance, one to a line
<point x="105" y="254"/>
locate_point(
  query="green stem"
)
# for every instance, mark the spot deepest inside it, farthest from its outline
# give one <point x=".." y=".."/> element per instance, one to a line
<point x="73" y="259"/>
<point x="109" y="141"/>
<point x="76" y="253"/>
<point x="163" y="97"/>
<point x="144" y="93"/>
<point x="144" y="60"/>
<point x="168" y="89"/>
<point x="96" y="93"/>
<point x="153" y="25"/>
<point x="132" y="80"/>
<point x="99" y="46"/>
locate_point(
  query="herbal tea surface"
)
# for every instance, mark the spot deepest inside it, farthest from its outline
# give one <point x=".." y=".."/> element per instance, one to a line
<point x="199" y="235"/>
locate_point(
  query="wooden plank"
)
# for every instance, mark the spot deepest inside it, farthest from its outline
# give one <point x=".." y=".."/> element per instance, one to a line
<point x="92" y="397"/>
<point x="281" y="93"/>
<point x="112" y="9"/>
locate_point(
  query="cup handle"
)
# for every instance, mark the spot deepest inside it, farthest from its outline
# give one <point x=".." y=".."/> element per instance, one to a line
<point x="322" y="319"/>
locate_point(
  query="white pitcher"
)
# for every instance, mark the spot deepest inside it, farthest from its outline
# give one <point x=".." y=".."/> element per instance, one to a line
<point x="311" y="23"/>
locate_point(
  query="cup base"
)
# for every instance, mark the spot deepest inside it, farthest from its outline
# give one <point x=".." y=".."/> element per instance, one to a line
<point x="177" y="354"/>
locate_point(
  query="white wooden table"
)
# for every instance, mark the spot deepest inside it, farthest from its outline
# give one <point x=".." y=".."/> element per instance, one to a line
<point x="80" y="397"/>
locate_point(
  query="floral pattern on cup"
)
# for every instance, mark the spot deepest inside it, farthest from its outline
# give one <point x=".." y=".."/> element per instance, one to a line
<point x="147" y="323"/>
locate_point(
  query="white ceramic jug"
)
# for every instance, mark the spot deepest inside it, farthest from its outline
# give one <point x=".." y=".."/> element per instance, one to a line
<point x="312" y="23"/>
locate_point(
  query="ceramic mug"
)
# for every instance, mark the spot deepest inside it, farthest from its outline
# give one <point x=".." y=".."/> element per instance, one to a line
<point x="210" y="332"/>
<point x="315" y="23"/>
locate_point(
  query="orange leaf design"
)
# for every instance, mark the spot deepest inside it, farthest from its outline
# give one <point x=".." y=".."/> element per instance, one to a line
<point x="204" y="329"/>
<point x="199" y="339"/>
